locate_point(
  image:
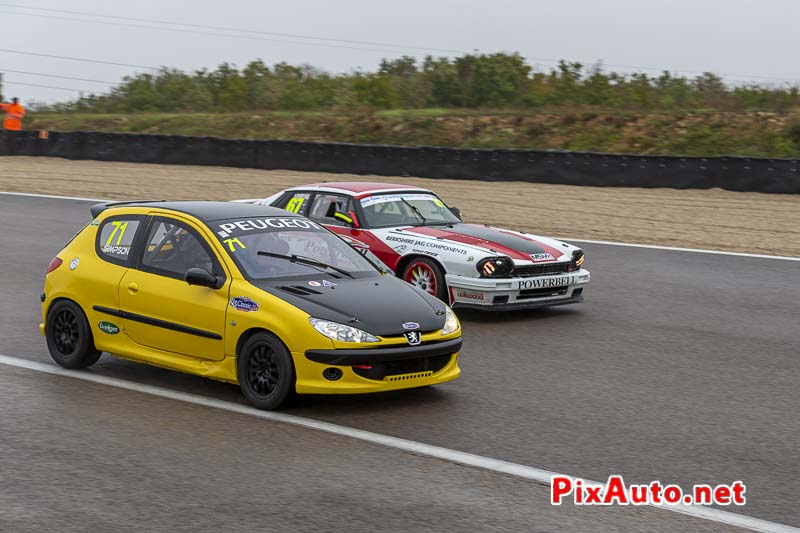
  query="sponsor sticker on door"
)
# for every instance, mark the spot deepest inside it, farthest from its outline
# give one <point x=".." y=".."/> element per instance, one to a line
<point x="108" y="327"/>
<point x="243" y="303"/>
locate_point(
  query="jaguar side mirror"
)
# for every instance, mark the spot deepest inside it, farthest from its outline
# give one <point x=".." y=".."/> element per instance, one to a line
<point x="456" y="211"/>
<point x="202" y="277"/>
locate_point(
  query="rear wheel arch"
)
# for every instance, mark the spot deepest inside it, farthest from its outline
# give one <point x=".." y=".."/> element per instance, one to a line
<point x="67" y="299"/>
<point x="69" y="335"/>
<point x="61" y="299"/>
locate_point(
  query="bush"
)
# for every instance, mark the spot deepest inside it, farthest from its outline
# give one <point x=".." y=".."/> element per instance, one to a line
<point x="497" y="81"/>
<point x="793" y="133"/>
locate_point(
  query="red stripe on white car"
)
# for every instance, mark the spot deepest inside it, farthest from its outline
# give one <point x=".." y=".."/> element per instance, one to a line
<point x="475" y="241"/>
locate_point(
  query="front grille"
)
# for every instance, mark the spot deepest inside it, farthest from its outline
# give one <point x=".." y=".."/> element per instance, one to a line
<point x="542" y="293"/>
<point x="389" y="345"/>
<point x="426" y="365"/>
<point x="404" y="377"/>
<point x="529" y="271"/>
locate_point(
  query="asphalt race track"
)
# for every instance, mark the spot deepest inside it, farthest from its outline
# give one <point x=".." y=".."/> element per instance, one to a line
<point x="680" y="367"/>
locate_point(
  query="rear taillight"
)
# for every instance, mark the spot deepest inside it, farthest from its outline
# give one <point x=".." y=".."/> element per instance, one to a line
<point x="54" y="264"/>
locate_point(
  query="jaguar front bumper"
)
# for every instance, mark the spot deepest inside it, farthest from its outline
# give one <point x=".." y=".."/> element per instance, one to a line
<point x="517" y="293"/>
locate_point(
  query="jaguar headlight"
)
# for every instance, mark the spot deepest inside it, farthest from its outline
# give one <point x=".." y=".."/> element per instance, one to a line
<point x="341" y="332"/>
<point x="578" y="257"/>
<point x="495" y="267"/>
<point x="450" y="322"/>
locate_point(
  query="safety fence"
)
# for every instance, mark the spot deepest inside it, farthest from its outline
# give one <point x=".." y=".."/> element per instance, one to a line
<point x="539" y="166"/>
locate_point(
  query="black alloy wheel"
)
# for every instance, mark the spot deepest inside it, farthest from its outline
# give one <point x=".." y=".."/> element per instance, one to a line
<point x="69" y="337"/>
<point x="266" y="371"/>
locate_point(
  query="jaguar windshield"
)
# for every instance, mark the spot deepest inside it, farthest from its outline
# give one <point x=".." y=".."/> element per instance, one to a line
<point x="285" y="247"/>
<point x="406" y="209"/>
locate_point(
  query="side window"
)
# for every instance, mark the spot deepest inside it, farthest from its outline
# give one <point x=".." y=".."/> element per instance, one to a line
<point x="171" y="249"/>
<point x="326" y="206"/>
<point x="115" y="238"/>
<point x="296" y="202"/>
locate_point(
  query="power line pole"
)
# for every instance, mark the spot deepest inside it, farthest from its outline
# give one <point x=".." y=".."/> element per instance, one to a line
<point x="1" y="87"/>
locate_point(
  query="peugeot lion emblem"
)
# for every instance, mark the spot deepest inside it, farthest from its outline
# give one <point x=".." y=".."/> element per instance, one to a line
<point x="413" y="337"/>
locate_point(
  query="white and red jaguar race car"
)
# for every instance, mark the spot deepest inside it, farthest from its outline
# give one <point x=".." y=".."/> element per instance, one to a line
<point x="426" y="243"/>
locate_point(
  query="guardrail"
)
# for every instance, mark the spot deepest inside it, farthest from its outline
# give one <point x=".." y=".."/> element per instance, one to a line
<point x="539" y="166"/>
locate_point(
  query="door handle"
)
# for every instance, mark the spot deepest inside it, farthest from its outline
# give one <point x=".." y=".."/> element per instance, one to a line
<point x="133" y="288"/>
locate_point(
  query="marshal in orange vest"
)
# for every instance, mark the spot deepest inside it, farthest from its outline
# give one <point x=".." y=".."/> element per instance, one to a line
<point x="14" y="113"/>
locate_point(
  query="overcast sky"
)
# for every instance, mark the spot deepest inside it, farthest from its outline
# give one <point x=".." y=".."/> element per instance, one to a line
<point x="742" y="40"/>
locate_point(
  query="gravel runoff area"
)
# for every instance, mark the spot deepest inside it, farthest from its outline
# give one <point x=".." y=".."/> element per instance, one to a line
<point x="711" y="219"/>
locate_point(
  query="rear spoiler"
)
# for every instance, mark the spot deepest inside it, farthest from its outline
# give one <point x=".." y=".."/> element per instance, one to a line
<point x="96" y="209"/>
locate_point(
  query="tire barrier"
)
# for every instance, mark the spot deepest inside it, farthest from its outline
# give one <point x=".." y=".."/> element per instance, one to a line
<point x="537" y="166"/>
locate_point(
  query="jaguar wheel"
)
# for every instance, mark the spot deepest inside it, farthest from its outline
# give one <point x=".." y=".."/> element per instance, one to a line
<point x="69" y="337"/>
<point x="265" y="371"/>
<point x="427" y="275"/>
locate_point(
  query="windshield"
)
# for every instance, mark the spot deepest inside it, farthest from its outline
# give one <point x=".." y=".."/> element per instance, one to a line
<point x="406" y="209"/>
<point x="279" y="239"/>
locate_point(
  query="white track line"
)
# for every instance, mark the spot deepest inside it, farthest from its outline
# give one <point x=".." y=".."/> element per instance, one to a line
<point x="56" y="197"/>
<point x="677" y="249"/>
<point x="567" y="239"/>
<point x="437" y="452"/>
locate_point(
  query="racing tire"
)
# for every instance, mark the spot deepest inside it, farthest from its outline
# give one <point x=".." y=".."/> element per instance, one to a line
<point x="427" y="275"/>
<point x="69" y="337"/>
<point x="265" y="371"/>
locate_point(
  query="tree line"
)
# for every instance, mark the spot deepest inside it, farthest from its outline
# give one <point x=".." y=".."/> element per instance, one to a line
<point x="496" y="81"/>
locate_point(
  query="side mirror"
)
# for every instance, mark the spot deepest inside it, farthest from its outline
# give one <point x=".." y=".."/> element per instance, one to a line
<point x="202" y="277"/>
<point x="456" y="211"/>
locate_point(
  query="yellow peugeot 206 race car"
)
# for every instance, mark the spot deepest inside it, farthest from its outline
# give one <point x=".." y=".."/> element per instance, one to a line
<point x="245" y="294"/>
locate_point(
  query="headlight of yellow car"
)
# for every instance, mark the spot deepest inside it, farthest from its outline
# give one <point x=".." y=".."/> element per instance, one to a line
<point x="341" y="332"/>
<point x="450" y="322"/>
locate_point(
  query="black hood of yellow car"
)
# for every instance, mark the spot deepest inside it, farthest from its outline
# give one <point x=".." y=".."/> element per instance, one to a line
<point x="378" y="305"/>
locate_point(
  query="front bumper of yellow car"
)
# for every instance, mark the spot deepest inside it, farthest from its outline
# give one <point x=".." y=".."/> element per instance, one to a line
<point x="392" y="364"/>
